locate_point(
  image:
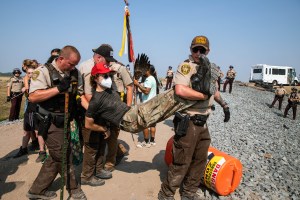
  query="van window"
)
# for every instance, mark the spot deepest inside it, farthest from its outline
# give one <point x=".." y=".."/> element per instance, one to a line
<point x="276" y="71"/>
<point x="270" y="71"/>
<point x="257" y="71"/>
<point x="281" y="71"/>
<point x="266" y="70"/>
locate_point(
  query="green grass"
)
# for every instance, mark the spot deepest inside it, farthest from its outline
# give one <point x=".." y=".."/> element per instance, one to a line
<point x="5" y="106"/>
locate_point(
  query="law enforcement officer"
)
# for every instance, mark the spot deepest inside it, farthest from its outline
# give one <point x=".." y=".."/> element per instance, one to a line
<point x="293" y="100"/>
<point x="220" y="78"/>
<point x="230" y="76"/>
<point x="169" y="78"/>
<point x="123" y="83"/>
<point x="192" y="139"/>
<point x="50" y="87"/>
<point x="279" y="95"/>
<point x="15" y="94"/>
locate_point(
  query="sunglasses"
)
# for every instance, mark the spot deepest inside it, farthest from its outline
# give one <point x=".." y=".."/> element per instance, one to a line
<point x="105" y="76"/>
<point x="201" y="49"/>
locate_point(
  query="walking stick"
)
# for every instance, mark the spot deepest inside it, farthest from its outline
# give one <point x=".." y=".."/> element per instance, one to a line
<point x="65" y="145"/>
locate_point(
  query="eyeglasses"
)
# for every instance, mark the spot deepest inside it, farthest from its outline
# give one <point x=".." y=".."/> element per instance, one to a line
<point x="201" y="49"/>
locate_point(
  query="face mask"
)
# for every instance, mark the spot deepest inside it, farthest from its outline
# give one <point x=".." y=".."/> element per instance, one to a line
<point x="106" y="82"/>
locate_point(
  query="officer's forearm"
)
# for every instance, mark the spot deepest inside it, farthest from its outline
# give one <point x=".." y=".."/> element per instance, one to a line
<point x="188" y="93"/>
<point x="43" y="95"/>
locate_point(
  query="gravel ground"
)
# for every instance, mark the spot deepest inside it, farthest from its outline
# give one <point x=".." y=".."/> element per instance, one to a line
<point x="266" y="144"/>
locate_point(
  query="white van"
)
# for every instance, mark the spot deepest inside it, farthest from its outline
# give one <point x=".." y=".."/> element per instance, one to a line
<point x="262" y="73"/>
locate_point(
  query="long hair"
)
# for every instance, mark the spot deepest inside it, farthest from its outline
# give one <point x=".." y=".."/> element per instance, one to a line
<point x="93" y="81"/>
<point x="153" y="73"/>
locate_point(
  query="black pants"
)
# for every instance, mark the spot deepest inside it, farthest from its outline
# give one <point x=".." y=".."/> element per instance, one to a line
<point x="294" y="107"/>
<point x="230" y="81"/>
<point x="279" y="98"/>
<point x="169" y="82"/>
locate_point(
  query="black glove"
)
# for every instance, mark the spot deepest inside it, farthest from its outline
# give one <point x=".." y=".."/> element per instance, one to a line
<point x="64" y="84"/>
<point x="8" y="98"/>
<point x="227" y="114"/>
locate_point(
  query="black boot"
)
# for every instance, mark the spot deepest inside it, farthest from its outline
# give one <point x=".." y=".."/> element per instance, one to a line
<point x="21" y="152"/>
<point x="34" y="145"/>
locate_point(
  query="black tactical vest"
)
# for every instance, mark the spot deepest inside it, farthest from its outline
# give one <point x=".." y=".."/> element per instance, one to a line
<point x="56" y="104"/>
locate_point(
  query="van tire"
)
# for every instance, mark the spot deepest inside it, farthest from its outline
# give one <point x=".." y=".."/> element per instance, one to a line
<point x="274" y="83"/>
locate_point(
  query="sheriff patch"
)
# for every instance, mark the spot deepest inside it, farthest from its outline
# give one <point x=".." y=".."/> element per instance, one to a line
<point x="35" y="75"/>
<point x="185" y="69"/>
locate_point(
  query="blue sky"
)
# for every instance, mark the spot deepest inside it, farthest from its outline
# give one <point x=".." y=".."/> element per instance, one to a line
<point x="241" y="33"/>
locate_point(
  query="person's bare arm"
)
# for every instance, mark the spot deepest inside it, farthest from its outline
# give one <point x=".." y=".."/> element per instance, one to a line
<point x="188" y="93"/>
<point x="89" y="124"/>
<point x="129" y="90"/>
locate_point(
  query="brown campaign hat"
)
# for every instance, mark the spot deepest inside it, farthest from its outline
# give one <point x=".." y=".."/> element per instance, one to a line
<point x="200" y="41"/>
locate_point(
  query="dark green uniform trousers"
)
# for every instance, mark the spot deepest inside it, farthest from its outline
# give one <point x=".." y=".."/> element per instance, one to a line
<point x="53" y="164"/>
<point x="189" y="161"/>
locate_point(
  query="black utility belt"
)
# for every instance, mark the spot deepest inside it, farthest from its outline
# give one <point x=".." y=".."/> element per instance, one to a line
<point x="56" y="118"/>
<point x="199" y="120"/>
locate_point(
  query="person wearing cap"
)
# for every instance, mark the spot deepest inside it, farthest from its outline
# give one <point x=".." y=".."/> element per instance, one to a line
<point x="230" y="76"/>
<point x="191" y="143"/>
<point x="293" y="101"/>
<point x="279" y="95"/>
<point x="15" y="94"/>
<point x="93" y="171"/>
<point x="169" y="78"/>
<point x="50" y="87"/>
<point x="123" y="84"/>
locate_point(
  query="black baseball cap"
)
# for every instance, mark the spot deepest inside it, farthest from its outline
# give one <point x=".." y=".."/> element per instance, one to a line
<point x="106" y="51"/>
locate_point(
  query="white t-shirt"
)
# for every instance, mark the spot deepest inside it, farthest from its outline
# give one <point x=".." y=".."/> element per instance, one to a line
<point x="150" y="82"/>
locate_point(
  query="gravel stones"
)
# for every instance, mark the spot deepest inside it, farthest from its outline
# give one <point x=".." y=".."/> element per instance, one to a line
<point x="266" y="143"/>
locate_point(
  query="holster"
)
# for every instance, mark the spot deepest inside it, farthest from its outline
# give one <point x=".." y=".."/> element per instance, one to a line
<point x="199" y="120"/>
<point x="44" y="124"/>
<point x="181" y="124"/>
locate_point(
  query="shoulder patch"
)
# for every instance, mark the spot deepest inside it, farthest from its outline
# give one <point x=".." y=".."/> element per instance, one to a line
<point x="35" y="75"/>
<point x="185" y="69"/>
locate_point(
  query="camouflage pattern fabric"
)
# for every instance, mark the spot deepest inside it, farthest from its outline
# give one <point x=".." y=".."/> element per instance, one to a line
<point x="215" y="73"/>
<point x="156" y="110"/>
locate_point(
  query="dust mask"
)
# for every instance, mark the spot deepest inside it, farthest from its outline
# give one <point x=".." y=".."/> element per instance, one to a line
<point x="106" y="82"/>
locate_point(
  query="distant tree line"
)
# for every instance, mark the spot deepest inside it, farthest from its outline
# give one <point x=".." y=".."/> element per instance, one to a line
<point x="6" y="74"/>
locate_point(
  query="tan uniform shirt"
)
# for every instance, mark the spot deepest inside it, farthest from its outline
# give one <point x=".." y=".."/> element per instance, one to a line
<point x="280" y="91"/>
<point x="170" y="73"/>
<point x="122" y="77"/>
<point x="41" y="79"/>
<point x="231" y="73"/>
<point x="183" y="77"/>
<point x="15" y="84"/>
<point x="85" y="69"/>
